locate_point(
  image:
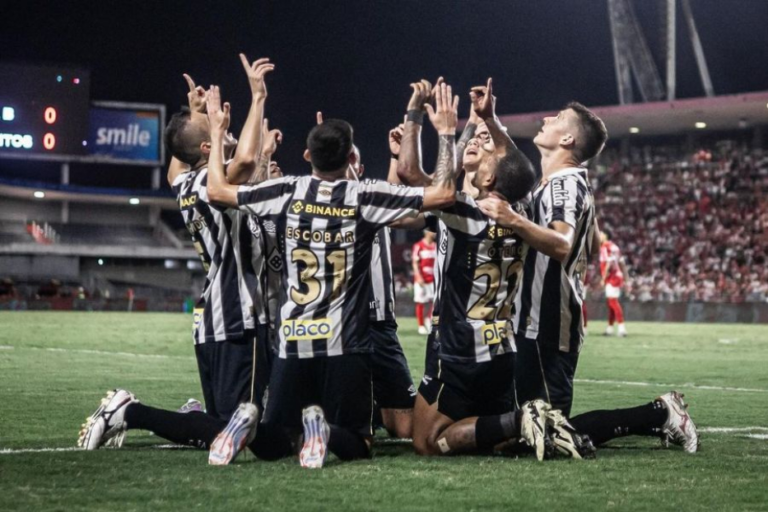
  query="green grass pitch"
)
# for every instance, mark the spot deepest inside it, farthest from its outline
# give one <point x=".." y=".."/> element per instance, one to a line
<point x="54" y="368"/>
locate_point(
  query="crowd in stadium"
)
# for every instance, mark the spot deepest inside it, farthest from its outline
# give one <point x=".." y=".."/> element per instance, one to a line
<point x="693" y="226"/>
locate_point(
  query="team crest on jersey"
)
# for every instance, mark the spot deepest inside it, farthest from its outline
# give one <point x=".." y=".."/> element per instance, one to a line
<point x="493" y="333"/>
<point x="185" y="203"/>
<point x="303" y="330"/>
<point x="269" y="227"/>
<point x="325" y="192"/>
<point x="274" y="261"/>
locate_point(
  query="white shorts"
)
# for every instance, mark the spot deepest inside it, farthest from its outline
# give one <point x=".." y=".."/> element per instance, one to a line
<point x="423" y="294"/>
<point x="612" y="292"/>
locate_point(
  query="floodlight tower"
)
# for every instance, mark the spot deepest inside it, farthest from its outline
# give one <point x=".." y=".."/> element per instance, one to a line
<point x="633" y="57"/>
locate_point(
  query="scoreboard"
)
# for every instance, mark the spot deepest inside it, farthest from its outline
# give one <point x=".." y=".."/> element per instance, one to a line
<point x="43" y="111"/>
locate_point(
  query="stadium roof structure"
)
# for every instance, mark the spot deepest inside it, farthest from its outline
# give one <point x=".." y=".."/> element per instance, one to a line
<point x="21" y="189"/>
<point x="717" y="113"/>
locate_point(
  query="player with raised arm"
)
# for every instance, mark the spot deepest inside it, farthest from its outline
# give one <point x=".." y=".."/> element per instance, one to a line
<point x="230" y="331"/>
<point x="326" y="224"/>
<point x="548" y="317"/>
<point x="613" y="268"/>
<point x="466" y="400"/>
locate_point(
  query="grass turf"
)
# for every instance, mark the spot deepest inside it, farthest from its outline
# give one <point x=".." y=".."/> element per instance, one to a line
<point x="54" y="367"/>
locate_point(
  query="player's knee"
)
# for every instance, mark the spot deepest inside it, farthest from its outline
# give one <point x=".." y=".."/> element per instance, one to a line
<point x="398" y="422"/>
<point x="425" y="446"/>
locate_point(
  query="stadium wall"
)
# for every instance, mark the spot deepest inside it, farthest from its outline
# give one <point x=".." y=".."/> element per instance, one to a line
<point x="40" y="266"/>
<point x="708" y="312"/>
<point x="21" y="210"/>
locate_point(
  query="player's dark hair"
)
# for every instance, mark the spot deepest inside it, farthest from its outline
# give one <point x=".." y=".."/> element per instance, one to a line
<point x="330" y="144"/>
<point x="593" y="132"/>
<point x="515" y="175"/>
<point x="607" y="232"/>
<point x="183" y="139"/>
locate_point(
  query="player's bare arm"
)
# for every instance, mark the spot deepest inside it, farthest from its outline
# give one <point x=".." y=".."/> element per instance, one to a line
<point x="554" y="241"/>
<point x="444" y="116"/>
<point x="270" y="139"/>
<point x="417" y="223"/>
<point x="196" y="101"/>
<point x="469" y="131"/>
<point x="245" y="160"/>
<point x="220" y="191"/>
<point x="623" y="266"/>
<point x="409" y="169"/>
<point x="395" y="139"/>
<point x="595" y="243"/>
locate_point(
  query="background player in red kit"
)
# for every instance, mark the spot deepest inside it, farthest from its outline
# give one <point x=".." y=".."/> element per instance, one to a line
<point x="423" y="257"/>
<point x="612" y="272"/>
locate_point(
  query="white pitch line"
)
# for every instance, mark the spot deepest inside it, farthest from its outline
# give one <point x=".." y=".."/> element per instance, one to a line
<point x="586" y="381"/>
<point x="107" y="353"/>
<point x="763" y="437"/>
<point x="11" y="451"/>
<point x="671" y="386"/>
<point x="731" y="430"/>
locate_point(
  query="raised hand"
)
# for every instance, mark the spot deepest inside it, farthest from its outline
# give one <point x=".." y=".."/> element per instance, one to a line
<point x="196" y="96"/>
<point x="395" y="137"/>
<point x="218" y="114"/>
<point x="319" y="117"/>
<point x="444" y="116"/>
<point x="422" y="92"/>
<point x="483" y="100"/>
<point x="256" y="73"/>
<point x="270" y="139"/>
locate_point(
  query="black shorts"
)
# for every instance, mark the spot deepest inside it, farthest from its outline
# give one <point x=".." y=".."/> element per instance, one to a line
<point x="341" y="385"/>
<point x="392" y="381"/>
<point x="462" y="390"/>
<point x="226" y="371"/>
<point x="543" y="371"/>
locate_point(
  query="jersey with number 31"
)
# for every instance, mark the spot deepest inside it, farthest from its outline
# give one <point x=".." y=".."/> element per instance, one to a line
<point x="325" y="232"/>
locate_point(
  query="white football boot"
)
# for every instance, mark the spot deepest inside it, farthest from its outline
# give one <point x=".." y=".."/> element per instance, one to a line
<point x="240" y="431"/>
<point x="106" y="425"/>
<point x="533" y="425"/>
<point x="566" y="439"/>
<point x="679" y="428"/>
<point x="316" y="435"/>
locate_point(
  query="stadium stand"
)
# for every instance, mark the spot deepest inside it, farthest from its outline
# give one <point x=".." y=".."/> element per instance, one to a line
<point x="69" y="246"/>
<point x="693" y="226"/>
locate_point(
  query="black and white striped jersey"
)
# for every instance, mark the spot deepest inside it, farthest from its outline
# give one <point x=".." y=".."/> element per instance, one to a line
<point x="325" y="233"/>
<point x="478" y="272"/>
<point x="273" y="265"/>
<point x="232" y="256"/>
<point x="550" y="298"/>
<point x="381" y="305"/>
